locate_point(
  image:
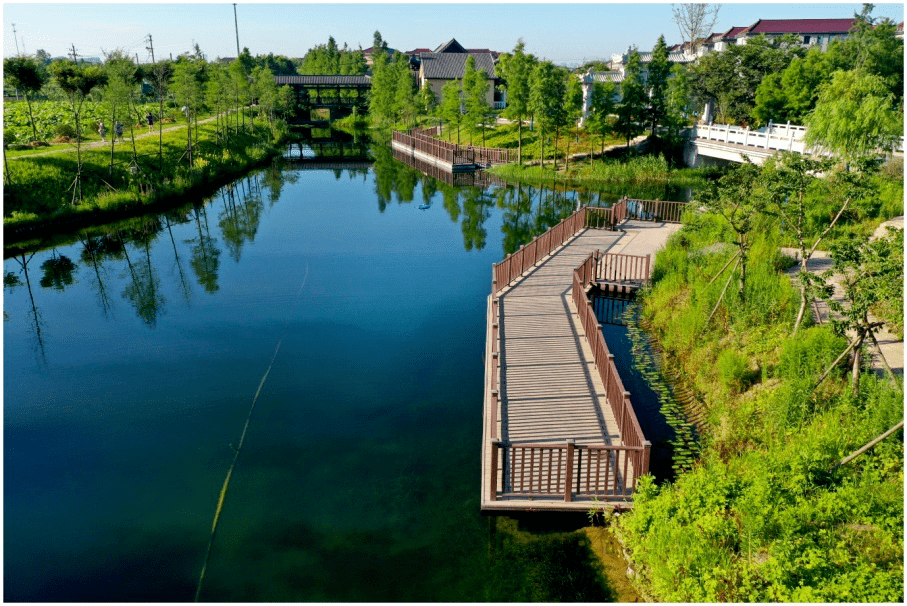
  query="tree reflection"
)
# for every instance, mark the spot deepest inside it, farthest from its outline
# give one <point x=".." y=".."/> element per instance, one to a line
<point x="241" y="216"/>
<point x="11" y="280"/>
<point x="476" y="205"/>
<point x="58" y="272"/>
<point x="92" y="253"/>
<point x="143" y="292"/>
<point x="205" y="254"/>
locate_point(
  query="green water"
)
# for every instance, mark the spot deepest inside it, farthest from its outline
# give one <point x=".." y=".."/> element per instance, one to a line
<point x="132" y="354"/>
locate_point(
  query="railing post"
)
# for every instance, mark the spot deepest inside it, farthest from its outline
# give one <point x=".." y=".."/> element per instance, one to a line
<point x="646" y="453"/>
<point x="493" y="480"/>
<point x="568" y="480"/>
<point x="623" y="416"/>
<point x="610" y="364"/>
<point x="648" y="272"/>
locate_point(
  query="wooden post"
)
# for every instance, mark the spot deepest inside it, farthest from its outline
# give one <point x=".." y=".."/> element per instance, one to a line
<point x="646" y="456"/>
<point x="493" y="480"/>
<point x="623" y="416"/>
<point x="648" y="271"/>
<point x="568" y="481"/>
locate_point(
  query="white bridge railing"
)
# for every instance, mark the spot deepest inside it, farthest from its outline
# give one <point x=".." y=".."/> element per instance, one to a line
<point x="775" y="137"/>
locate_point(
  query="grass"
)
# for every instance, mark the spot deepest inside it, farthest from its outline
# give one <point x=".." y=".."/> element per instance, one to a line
<point x="637" y="171"/>
<point x="507" y="136"/>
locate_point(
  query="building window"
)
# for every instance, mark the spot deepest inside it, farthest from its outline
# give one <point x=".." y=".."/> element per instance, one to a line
<point x="805" y="39"/>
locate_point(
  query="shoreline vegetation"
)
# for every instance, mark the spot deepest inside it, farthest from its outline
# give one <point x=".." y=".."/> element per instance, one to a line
<point x="37" y="194"/>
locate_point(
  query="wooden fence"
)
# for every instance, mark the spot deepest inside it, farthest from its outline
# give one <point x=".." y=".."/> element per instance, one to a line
<point x="457" y="155"/>
<point x="663" y="211"/>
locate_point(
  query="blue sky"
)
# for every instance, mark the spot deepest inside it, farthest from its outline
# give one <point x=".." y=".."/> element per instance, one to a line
<point x="559" y="32"/>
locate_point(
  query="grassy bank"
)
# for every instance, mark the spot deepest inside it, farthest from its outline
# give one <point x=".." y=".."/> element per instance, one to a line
<point x="765" y="514"/>
<point x="39" y="190"/>
<point x="639" y="171"/>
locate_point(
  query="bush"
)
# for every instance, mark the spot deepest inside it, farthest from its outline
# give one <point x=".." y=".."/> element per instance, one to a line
<point x="733" y="369"/>
<point x="809" y="353"/>
<point x="64" y="130"/>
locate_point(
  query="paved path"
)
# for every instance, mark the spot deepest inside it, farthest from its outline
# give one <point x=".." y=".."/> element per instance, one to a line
<point x="892" y="347"/>
<point x="95" y="144"/>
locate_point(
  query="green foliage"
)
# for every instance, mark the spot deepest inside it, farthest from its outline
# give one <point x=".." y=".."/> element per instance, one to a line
<point x="732" y="77"/>
<point x="631" y="113"/>
<point x="732" y="368"/>
<point x="657" y="83"/>
<point x="854" y="116"/>
<point x="329" y="59"/>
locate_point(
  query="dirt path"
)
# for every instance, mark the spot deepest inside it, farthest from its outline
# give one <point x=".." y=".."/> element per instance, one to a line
<point x="97" y="144"/>
<point x="892" y="347"/>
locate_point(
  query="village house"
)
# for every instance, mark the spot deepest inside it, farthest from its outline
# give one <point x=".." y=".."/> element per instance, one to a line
<point x="448" y="62"/>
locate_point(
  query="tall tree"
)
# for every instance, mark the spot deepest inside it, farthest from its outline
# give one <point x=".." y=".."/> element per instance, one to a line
<point x="404" y="89"/>
<point x="77" y="80"/>
<point x="118" y="93"/>
<point x="657" y="83"/>
<point x="545" y="97"/>
<point x="601" y="106"/>
<point x="475" y="90"/>
<point x="27" y="75"/>
<point x="188" y="91"/>
<point x="449" y="109"/>
<point x="516" y="69"/>
<point x="854" y="116"/>
<point x="631" y="112"/>
<point x="573" y="110"/>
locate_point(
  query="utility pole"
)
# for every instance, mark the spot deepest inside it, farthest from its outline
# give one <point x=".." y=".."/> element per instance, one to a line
<point x="17" y="41"/>
<point x="73" y="53"/>
<point x="236" y="22"/>
<point x="136" y="58"/>
<point x="150" y="47"/>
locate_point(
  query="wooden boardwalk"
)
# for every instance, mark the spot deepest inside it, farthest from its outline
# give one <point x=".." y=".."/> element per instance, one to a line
<point x="552" y="405"/>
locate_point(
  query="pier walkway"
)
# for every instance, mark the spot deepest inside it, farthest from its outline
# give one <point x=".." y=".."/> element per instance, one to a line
<point x="559" y="431"/>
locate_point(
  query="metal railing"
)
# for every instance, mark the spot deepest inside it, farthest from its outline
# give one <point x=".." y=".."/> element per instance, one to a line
<point x="456" y="155"/>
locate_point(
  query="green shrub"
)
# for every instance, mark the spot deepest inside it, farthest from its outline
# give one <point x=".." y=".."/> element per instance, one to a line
<point x="808" y="354"/>
<point x="733" y="369"/>
<point x="65" y="130"/>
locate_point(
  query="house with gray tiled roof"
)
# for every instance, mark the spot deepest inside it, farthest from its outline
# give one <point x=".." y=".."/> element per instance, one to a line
<point x="448" y="62"/>
<point x="810" y="32"/>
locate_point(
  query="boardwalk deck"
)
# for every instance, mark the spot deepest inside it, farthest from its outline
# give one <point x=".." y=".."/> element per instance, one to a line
<point x="551" y="392"/>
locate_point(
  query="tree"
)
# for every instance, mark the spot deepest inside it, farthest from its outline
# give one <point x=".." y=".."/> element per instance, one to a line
<point x="475" y="89"/>
<point x="854" y="116"/>
<point x="631" y="113"/>
<point x="657" y="83"/>
<point x="160" y="73"/>
<point x="734" y="197"/>
<point x="731" y="77"/>
<point x="188" y="91"/>
<point x="516" y="70"/>
<point x="601" y="106"/>
<point x="871" y="272"/>
<point x="404" y="93"/>
<point x="121" y="84"/>
<point x="27" y="75"/>
<point x="546" y="95"/>
<point x="426" y="100"/>
<point x="786" y="179"/>
<point x="573" y="108"/>
<point x="77" y="80"/>
<point x="449" y="109"/>
<point x="694" y="21"/>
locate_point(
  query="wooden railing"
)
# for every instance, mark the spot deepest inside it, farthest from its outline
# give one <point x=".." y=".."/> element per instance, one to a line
<point x="566" y="471"/>
<point x="660" y="211"/>
<point x="423" y="140"/>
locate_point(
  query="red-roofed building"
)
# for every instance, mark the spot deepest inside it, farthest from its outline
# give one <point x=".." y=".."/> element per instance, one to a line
<point x="810" y="32"/>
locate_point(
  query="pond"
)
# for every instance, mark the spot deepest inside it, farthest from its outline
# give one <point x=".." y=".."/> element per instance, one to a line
<point x="349" y="306"/>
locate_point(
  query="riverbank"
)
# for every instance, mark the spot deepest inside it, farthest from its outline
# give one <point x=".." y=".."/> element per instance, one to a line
<point x="766" y="513"/>
<point x="38" y="196"/>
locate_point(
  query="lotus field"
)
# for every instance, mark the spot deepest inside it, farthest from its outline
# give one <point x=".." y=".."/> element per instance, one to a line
<point x="51" y="114"/>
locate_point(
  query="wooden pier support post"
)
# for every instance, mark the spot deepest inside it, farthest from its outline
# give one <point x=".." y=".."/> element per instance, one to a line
<point x="568" y="480"/>
<point x="493" y="480"/>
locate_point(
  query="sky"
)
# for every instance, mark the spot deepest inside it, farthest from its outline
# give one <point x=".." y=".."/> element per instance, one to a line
<point x="563" y="33"/>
